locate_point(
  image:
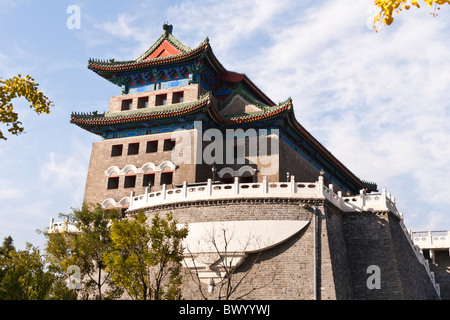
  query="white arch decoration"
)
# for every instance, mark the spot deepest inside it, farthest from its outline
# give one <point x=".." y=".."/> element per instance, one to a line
<point x="167" y="163"/>
<point x="143" y="169"/>
<point x="244" y="169"/>
<point x="128" y="168"/>
<point x="226" y="170"/>
<point x="109" y="202"/>
<point x="236" y="173"/>
<point x="208" y="244"/>
<point x="124" y="201"/>
<point x="147" y="166"/>
<point x="111" y="170"/>
<point x="114" y="203"/>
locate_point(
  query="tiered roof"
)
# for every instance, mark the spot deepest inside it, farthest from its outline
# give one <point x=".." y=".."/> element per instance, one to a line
<point x="108" y="68"/>
<point x="87" y="121"/>
<point x="167" y="51"/>
<point x="205" y="103"/>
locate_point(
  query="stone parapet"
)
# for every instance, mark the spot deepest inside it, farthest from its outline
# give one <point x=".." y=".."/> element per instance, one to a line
<point x="353" y="229"/>
<point x="292" y="189"/>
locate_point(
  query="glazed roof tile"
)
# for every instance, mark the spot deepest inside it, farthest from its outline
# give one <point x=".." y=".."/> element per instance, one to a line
<point x="265" y="114"/>
<point x="206" y="103"/>
<point x="140" y="115"/>
<point x="120" y="66"/>
<point x="95" y="119"/>
<point x="107" y="68"/>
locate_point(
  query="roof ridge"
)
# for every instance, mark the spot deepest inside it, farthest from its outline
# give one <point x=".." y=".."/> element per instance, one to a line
<point x="269" y="112"/>
<point x="240" y="90"/>
<point x="75" y="117"/>
<point x="166" y="35"/>
<point x="98" y="63"/>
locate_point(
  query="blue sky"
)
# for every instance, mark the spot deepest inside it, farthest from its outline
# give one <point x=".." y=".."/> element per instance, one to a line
<point x="380" y="102"/>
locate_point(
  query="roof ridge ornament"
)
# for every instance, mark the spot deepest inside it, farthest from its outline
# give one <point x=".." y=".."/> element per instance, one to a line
<point x="167" y="28"/>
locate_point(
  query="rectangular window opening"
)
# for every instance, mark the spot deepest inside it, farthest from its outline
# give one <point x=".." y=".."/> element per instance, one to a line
<point x="269" y="146"/>
<point x="133" y="148"/>
<point x="169" y="145"/>
<point x="126" y="104"/>
<point x="130" y="182"/>
<point x="246" y="179"/>
<point x="148" y="180"/>
<point x="166" y="178"/>
<point x="152" y="146"/>
<point x="116" y="150"/>
<point x="142" y="102"/>
<point x="113" y="183"/>
<point x="161" y="100"/>
<point x="178" y="97"/>
<point x="240" y="151"/>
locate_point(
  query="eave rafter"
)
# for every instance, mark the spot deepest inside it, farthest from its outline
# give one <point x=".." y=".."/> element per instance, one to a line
<point x="103" y="120"/>
<point x="169" y="59"/>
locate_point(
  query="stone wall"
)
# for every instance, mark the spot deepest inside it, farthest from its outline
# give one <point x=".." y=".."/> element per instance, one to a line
<point x="376" y="238"/>
<point x="297" y="165"/>
<point x="441" y="269"/>
<point x="338" y="253"/>
<point x="97" y="191"/>
<point x="294" y="257"/>
<point x="191" y="93"/>
<point x="347" y="244"/>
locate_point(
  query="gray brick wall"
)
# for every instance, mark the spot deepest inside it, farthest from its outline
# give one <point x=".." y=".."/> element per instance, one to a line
<point x="441" y="269"/>
<point x="376" y="238"/>
<point x="347" y="243"/>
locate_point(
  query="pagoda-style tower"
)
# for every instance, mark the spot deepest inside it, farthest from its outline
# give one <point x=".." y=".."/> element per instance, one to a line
<point x="172" y="88"/>
<point x="189" y="137"/>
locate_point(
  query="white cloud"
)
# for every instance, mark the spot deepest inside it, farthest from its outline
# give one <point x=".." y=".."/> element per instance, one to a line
<point x="121" y="26"/>
<point x="381" y="92"/>
<point x="7" y="192"/>
<point x="67" y="172"/>
<point x="132" y="27"/>
<point x="378" y="101"/>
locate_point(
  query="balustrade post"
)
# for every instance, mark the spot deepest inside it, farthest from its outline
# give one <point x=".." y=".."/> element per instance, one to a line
<point x="363" y="198"/>
<point x="448" y="241"/>
<point x="147" y="191"/>
<point x="208" y="187"/>
<point x="433" y="255"/>
<point x="164" y="188"/>
<point x="383" y="197"/>
<point x="184" y="189"/>
<point x="293" y="187"/>
<point x="236" y="185"/>
<point x="331" y="189"/>
<point x="265" y="186"/>
<point x="339" y="193"/>
<point x="320" y="185"/>
<point x="131" y="198"/>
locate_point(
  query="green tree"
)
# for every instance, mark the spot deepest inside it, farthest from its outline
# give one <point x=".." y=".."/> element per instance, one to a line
<point x="85" y="246"/>
<point x="23" y="275"/>
<point x="146" y="260"/>
<point x="7" y="246"/>
<point x="16" y="87"/>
